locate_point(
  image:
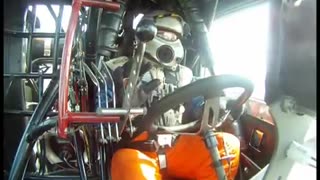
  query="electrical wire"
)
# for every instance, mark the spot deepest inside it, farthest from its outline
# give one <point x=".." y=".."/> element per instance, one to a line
<point x="66" y="161"/>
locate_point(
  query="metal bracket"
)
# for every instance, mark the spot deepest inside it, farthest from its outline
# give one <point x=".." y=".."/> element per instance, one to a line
<point x="104" y="69"/>
<point x="211" y="106"/>
<point x="133" y="79"/>
<point x="104" y="82"/>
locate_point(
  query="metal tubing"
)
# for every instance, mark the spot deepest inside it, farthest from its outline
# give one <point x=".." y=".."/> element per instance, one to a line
<point x="98" y="73"/>
<point x="102" y="148"/>
<point x="19" y="34"/>
<point x="90" y="117"/>
<point x="28" y="76"/>
<point x="42" y="157"/>
<point x="40" y="85"/>
<point x="53" y="14"/>
<point x="65" y="117"/>
<point x="26" y="113"/>
<point x="25" y="149"/>
<point x="29" y="46"/>
<point x="133" y="78"/>
<point x="55" y="2"/>
<point x="104" y="81"/>
<point x="80" y="160"/>
<point x="44" y="60"/>
<point x="8" y="88"/>
<point x="134" y="74"/>
<point x="104" y="66"/>
<point x="119" y="111"/>
<point x="102" y="151"/>
<point x="65" y="70"/>
<point x="56" y="38"/>
<point x="93" y="79"/>
<point x="111" y="6"/>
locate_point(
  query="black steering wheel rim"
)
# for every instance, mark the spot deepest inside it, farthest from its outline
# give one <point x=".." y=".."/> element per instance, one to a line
<point x="209" y="87"/>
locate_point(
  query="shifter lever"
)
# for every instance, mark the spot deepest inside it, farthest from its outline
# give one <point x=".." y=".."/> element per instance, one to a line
<point x="145" y="31"/>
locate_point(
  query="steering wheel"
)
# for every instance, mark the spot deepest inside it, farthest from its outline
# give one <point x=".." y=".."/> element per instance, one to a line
<point x="210" y="88"/>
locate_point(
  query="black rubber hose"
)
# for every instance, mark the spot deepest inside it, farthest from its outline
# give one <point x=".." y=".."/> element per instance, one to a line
<point x="199" y="30"/>
<point x="208" y="88"/>
<point x="80" y="158"/>
<point x="109" y="29"/>
<point x="39" y="130"/>
<point x="24" y="150"/>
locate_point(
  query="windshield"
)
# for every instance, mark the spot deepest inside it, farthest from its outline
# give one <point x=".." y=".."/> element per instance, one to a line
<point x="239" y="44"/>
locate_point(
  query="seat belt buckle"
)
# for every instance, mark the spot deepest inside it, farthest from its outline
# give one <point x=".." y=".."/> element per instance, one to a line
<point x="164" y="140"/>
<point x="162" y="161"/>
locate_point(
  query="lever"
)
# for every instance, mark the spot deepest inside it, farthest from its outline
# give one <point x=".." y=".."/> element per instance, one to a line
<point x="145" y="32"/>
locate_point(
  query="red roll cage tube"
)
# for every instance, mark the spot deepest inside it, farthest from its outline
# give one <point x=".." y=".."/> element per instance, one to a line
<point x="65" y="117"/>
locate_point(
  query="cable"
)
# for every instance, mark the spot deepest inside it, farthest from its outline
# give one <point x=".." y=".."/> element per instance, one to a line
<point x="66" y="161"/>
<point x="41" y="128"/>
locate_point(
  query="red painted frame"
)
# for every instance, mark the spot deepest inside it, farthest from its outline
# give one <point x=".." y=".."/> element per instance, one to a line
<point x="65" y="117"/>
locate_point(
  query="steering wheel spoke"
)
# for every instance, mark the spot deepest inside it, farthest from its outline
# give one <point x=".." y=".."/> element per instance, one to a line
<point x="210" y="116"/>
<point x="210" y="88"/>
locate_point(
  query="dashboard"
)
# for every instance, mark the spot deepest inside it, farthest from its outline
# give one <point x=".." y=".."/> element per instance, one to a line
<point x="260" y="136"/>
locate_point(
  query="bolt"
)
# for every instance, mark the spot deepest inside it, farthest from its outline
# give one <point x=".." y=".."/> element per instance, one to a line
<point x="128" y="129"/>
<point x="246" y="170"/>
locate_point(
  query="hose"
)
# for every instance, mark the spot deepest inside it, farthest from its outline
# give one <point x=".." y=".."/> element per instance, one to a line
<point x="109" y="29"/>
<point x="39" y="130"/>
<point x="199" y="30"/>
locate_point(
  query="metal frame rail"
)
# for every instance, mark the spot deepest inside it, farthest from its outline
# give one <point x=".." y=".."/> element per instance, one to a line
<point x="57" y="88"/>
<point x="30" y="35"/>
